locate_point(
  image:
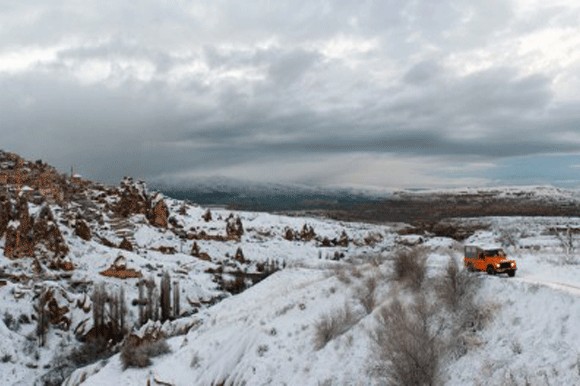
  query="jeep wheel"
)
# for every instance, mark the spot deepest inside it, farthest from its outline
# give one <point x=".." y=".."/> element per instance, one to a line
<point x="511" y="273"/>
<point x="490" y="270"/>
<point x="470" y="268"/>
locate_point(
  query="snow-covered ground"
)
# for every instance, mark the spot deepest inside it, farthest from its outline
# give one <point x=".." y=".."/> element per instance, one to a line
<point x="267" y="335"/>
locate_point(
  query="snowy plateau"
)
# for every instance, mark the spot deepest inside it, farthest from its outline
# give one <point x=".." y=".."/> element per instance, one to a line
<point x="284" y="300"/>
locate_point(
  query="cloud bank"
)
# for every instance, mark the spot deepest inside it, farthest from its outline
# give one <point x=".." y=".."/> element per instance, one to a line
<point x="383" y="93"/>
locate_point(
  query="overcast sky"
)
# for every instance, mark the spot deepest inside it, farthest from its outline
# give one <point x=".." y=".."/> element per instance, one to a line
<point x="392" y="93"/>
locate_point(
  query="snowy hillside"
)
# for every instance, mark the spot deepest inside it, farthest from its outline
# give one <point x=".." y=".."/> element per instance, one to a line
<point x="268" y="334"/>
<point x="120" y="285"/>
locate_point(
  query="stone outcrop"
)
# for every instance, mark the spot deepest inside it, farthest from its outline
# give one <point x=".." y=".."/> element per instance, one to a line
<point x="239" y="257"/>
<point x="19" y="234"/>
<point x="207" y="217"/>
<point x="204" y="256"/>
<point x="133" y="198"/>
<point x="56" y="306"/>
<point x="64" y="264"/>
<point x="82" y="230"/>
<point x="5" y="214"/>
<point x="29" y="235"/>
<point x="126" y="245"/>
<point x="120" y="263"/>
<point x="119" y="270"/>
<point x="59" y="312"/>
<point x="166" y="250"/>
<point x="307" y="233"/>
<point x="40" y="179"/>
<point x="159" y="213"/>
<point x="234" y="227"/>
<point x="46" y="233"/>
<point x="195" y="250"/>
<point x="289" y="234"/>
<point x="343" y="240"/>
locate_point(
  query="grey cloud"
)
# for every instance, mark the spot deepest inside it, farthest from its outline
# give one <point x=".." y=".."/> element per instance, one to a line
<point x="423" y="72"/>
<point x="397" y="99"/>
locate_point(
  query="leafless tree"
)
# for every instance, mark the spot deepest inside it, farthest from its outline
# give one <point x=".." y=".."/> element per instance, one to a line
<point x="411" y="267"/>
<point x="176" y="306"/>
<point x="99" y="299"/>
<point x="165" y="299"/>
<point x="42" y="317"/>
<point x="151" y="299"/>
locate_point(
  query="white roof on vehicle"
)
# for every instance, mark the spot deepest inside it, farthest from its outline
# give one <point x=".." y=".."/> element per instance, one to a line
<point x="485" y="247"/>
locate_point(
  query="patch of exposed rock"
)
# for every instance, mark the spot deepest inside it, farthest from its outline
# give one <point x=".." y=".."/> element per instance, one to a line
<point x="82" y="229"/>
<point x="159" y="213"/>
<point x="38" y="235"/>
<point x="234" y="227"/>
<point x="133" y="198"/>
<point x="126" y="245"/>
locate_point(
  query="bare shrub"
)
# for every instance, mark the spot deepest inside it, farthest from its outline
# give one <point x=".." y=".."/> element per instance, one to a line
<point x="508" y="238"/>
<point x="411" y="266"/>
<point x="195" y="361"/>
<point x="64" y="364"/>
<point x="456" y="287"/>
<point x="333" y="325"/>
<point x="566" y="239"/>
<point x="407" y="338"/>
<point x="262" y="349"/>
<point x="366" y="293"/>
<point x="516" y="347"/>
<point x="342" y="273"/>
<point x="12" y="323"/>
<point x="355" y="272"/>
<point x="139" y="354"/>
<point x="479" y="316"/>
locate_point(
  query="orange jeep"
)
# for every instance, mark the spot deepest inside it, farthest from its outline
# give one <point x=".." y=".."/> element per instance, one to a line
<point x="490" y="260"/>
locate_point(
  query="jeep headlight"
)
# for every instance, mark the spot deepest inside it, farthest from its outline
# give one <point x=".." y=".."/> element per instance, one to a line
<point x="513" y="265"/>
<point x="497" y="265"/>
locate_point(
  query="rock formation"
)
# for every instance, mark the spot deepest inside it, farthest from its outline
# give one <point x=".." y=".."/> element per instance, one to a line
<point x="19" y="234"/>
<point x="119" y="269"/>
<point x="27" y="234"/>
<point x="307" y="233"/>
<point x="159" y="213"/>
<point x="133" y="198"/>
<point x="82" y="230"/>
<point x="126" y="245"/>
<point x="234" y="227"/>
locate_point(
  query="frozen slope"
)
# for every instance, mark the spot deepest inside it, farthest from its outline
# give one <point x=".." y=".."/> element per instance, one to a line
<point x="267" y="335"/>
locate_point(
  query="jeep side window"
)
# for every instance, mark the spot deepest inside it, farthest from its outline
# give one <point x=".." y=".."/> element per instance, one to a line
<point x="481" y="256"/>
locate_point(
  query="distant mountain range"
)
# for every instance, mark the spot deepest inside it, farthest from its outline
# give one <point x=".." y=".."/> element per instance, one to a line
<point x="259" y="196"/>
<point x="380" y="205"/>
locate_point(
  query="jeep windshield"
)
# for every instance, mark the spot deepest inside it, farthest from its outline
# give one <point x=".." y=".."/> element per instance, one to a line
<point x="494" y="252"/>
